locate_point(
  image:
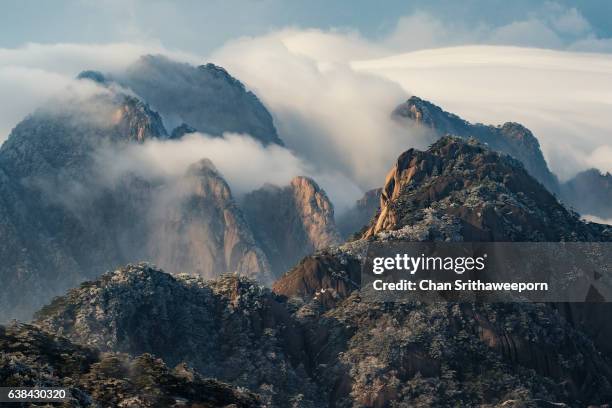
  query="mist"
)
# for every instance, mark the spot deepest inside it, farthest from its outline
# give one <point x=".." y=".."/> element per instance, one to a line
<point x="242" y="161"/>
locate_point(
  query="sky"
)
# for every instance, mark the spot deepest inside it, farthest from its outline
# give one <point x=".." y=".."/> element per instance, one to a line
<point x="331" y="71"/>
<point x="202" y="26"/>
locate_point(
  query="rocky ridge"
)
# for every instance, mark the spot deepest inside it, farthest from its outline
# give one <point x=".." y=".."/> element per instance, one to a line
<point x="206" y="98"/>
<point x="230" y="328"/>
<point x="510" y="138"/>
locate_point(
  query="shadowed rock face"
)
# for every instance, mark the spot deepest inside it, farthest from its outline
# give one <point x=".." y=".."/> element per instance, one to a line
<point x="56" y="227"/>
<point x="64" y="219"/>
<point x="32" y="357"/>
<point x="510" y="138"/>
<point x="229" y="328"/>
<point x="360" y="215"/>
<point x="206" y="98"/>
<point x="204" y="232"/>
<point x="590" y="193"/>
<point x="291" y="222"/>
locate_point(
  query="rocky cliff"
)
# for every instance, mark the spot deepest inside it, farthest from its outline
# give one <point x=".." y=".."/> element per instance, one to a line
<point x="291" y="222"/>
<point x="359" y="215"/>
<point x="207" y="98"/>
<point x="203" y="232"/>
<point x="510" y="138"/>
<point x="447" y="354"/>
<point x="471" y="193"/>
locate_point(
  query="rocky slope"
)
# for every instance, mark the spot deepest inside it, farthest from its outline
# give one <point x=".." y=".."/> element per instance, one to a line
<point x="32" y="357"/>
<point x="69" y="213"/>
<point x="230" y="328"/>
<point x="57" y="223"/>
<point x="448" y="354"/>
<point x="510" y="138"/>
<point x="590" y="193"/>
<point x="206" y="98"/>
<point x="474" y="194"/>
<point x="204" y="232"/>
<point x="357" y="217"/>
<point x="290" y="222"/>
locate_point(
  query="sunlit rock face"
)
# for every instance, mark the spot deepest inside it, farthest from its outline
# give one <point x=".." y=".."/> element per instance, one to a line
<point x="291" y="222"/>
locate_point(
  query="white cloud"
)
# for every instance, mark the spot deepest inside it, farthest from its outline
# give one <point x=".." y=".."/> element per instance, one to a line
<point x="564" y="97"/>
<point x="598" y="220"/>
<point x="332" y="115"/>
<point x="243" y="162"/>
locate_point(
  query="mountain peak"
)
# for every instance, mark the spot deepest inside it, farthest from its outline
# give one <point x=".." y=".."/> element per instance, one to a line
<point x="510" y="138"/>
<point x="460" y="190"/>
<point x="206" y="97"/>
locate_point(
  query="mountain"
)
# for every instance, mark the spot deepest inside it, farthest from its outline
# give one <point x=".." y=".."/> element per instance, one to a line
<point x="463" y="189"/>
<point x="230" y="328"/>
<point x="290" y="222"/>
<point x="69" y="211"/>
<point x="32" y="357"/>
<point x="58" y="223"/>
<point x="335" y="348"/>
<point x="590" y="193"/>
<point x="452" y="354"/>
<point x="203" y="231"/>
<point x="510" y="138"/>
<point x="206" y="98"/>
<point x="360" y="214"/>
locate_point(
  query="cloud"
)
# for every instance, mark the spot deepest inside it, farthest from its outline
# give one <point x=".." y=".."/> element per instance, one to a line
<point x="598" y="220"/>
<point x="243" y="162"/>
<point x="550" y="25"/>
<point x="334" y="116"/>
<point x="32" y="74"/>
<point x="563" y="97"/>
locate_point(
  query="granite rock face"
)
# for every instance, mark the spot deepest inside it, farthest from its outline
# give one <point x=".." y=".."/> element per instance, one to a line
<point x="449" y="354"/>
<point x="207" y="97"/>
<point x="204" y="232"/>
<point x="488" y="196"/>
<point x="291" y="222"/>
<point x="359" y="216"/>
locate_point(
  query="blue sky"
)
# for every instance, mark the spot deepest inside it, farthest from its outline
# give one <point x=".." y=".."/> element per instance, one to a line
<point x="201" y="26"/>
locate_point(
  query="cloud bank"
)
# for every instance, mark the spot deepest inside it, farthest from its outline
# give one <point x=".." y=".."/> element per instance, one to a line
<point x="334" y="108"/>
<point x="244" y="162"/>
